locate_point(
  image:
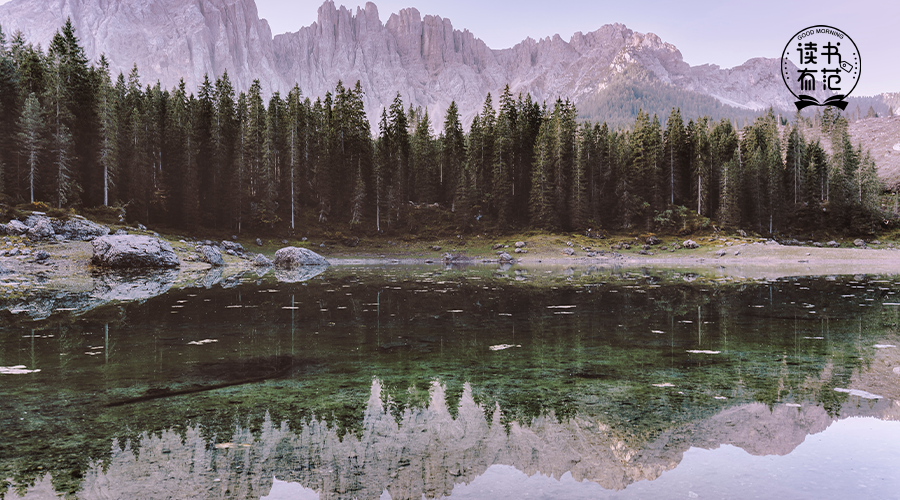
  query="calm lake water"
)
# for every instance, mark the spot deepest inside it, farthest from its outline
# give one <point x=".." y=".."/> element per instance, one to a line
<point x="402" y="382"/>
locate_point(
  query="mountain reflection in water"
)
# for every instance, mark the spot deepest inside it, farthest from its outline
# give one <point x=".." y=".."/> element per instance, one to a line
<point x="409" y="383"/>
<point x="429" y="453"/>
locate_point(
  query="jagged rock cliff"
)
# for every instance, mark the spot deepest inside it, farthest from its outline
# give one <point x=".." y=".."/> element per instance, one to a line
<point x="425" y="59"/>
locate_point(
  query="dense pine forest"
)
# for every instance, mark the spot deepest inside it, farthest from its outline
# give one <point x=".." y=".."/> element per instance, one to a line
<point x="72" y="136"/>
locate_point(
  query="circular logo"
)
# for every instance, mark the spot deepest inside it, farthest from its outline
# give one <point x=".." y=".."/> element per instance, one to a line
<point x="820" y="63"/>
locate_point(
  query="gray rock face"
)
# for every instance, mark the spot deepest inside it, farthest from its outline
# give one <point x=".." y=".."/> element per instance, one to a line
<point x="133" y="251"/>
<point x="290" y="257"/>
<point x="690" y="244"/>
<point x="79" y="229"/>
<point x="15" y="228"/>
<point x="424" y="58"/>
<point x="237" y="248"/>
<point x="505" y="257"/>
<point x="41" y="229"/>
<point x="212" y="256"/>
<point x="261" y="261"/>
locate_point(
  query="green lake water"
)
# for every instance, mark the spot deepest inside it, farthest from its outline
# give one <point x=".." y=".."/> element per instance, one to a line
<point x="401" y="382"/>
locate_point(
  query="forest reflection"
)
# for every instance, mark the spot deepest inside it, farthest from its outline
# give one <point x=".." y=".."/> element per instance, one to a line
<point x="411" y="453"/>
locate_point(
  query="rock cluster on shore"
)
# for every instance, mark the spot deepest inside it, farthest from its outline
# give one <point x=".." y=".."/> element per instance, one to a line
<point x="39" y="227"/>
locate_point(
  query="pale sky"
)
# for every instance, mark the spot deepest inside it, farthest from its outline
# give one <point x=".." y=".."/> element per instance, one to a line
<point x="706" y="31"/>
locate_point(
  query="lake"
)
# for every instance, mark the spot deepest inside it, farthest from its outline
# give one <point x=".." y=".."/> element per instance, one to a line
<point x="376" y="382"/>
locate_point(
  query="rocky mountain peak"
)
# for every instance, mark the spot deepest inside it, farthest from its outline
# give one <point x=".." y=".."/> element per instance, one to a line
<point x="424" y="58"/>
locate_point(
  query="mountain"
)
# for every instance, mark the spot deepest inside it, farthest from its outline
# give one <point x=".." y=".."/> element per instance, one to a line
<point x="425" y="59"/>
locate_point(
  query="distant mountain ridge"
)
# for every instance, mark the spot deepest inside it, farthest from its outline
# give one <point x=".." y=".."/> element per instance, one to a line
<point x="425" y="59"/>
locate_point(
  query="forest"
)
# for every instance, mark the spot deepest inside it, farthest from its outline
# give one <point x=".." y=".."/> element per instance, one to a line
<point x="73" y="137"/>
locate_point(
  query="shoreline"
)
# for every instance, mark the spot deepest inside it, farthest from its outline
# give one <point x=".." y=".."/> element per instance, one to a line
<point x="72" y="259"/>
<point x="733" y="260"/>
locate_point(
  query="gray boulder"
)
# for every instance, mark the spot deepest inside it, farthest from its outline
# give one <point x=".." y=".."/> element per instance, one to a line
<point x="259" y="242"/>
<point x="234" y="246"/>
<point x="690" y="244"/>
<point x="520" y="244"/>
<point x="290" y="257"/>
<point x="133" y="251"/>
<point x="79" y="229"/>
<point x="211" y="255"/>
<point x="720" y="253"/>
<point x="41" y="229"/>
<point x="860" y="243"/>
<point x="505" y="257"/>
<point x="41" y="256"/>
<point x="16" y="228"/>
<point x="121" y="232"/>
<point x="568" y="251"/>
<point x="833" y="244"/>
<point x="261" y="261"/>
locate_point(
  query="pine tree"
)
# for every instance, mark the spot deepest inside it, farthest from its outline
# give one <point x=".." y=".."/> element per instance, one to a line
<point x="674" y="142"/>
<point x="224" y="141"/>
<point x="528" y="121"/>
<point x="361" y="153"/>
<point x="207" y="169"/>
<point x="107" y="111"/>
<point x="253" y="131"/>
<point x="504" y="142"/>
<point x="9" y="113"/>
<point x="724" y="143"/>
<point x="383" y="175"/>
<point x="581" y="176"/>
<point x="795" y="161"/>
<point x="274" y="158"/>
<point x="703" y="175"/>
<point x="423" y="160"/>
<point x="452" y="155"/>
<point x="296" y="122"/>
<point x="636" y="191"/>
<point x="64" y="63"/>
<point x="181" y="157"/>
<point x="543" y="186"/>
<point x="31" y="124"/>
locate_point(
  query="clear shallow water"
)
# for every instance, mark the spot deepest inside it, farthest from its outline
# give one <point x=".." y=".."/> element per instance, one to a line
<point x="425" y="381"/>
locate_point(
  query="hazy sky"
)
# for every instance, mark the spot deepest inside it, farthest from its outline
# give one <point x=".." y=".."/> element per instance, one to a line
<point x="705" y="31"/>
<point x="713" y="32"/>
